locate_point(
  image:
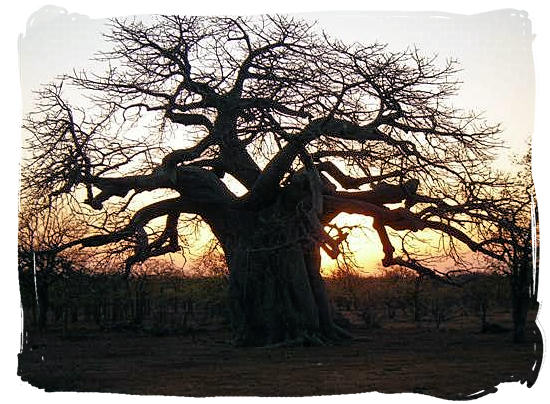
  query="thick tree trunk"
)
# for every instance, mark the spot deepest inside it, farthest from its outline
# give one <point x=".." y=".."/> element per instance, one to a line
<point x="276" y="291"/>
<point x="277" y="295"/>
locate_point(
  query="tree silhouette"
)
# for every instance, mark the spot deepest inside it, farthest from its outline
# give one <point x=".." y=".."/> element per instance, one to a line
<point x="42" y="233"/>
<point x="512" y="233"/>
<point x="309" y="126"/>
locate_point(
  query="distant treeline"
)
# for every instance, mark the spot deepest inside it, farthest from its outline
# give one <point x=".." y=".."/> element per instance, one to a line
<point x="80" y="299"/>
<point x="399" y="295"/>
<point x="77" y="300"/>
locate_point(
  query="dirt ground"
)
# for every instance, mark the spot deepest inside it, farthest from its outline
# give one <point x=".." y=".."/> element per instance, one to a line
<point x="454" y="362"/>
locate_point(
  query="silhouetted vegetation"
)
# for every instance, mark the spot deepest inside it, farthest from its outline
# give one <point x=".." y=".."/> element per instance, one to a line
<point x="80" y="300"/>
<point x="106" y="332"/>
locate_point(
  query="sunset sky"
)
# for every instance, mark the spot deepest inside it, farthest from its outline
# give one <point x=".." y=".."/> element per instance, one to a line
<point x="494" y="50"/>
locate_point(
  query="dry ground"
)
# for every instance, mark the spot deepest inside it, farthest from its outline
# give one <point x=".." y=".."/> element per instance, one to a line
<point x="453" y="363"/>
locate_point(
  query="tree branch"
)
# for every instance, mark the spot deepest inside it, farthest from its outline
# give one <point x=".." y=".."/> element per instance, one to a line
<point x="348" y="182"/>
<point x="196" y="184"/>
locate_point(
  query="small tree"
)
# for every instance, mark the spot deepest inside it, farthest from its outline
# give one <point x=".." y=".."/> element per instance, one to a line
<point x="41" y="233"/>
<point x="513" y="235"/>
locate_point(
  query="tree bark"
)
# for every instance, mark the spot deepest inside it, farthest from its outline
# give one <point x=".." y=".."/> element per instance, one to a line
<point x="277" y="295"/>
<point x="276" y="292"/>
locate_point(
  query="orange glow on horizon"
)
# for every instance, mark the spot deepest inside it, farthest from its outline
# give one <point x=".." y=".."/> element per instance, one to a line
<point x="362" y="244"/>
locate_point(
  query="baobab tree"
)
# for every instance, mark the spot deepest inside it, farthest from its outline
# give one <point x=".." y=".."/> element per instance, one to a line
<point x="307" y="125"/>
